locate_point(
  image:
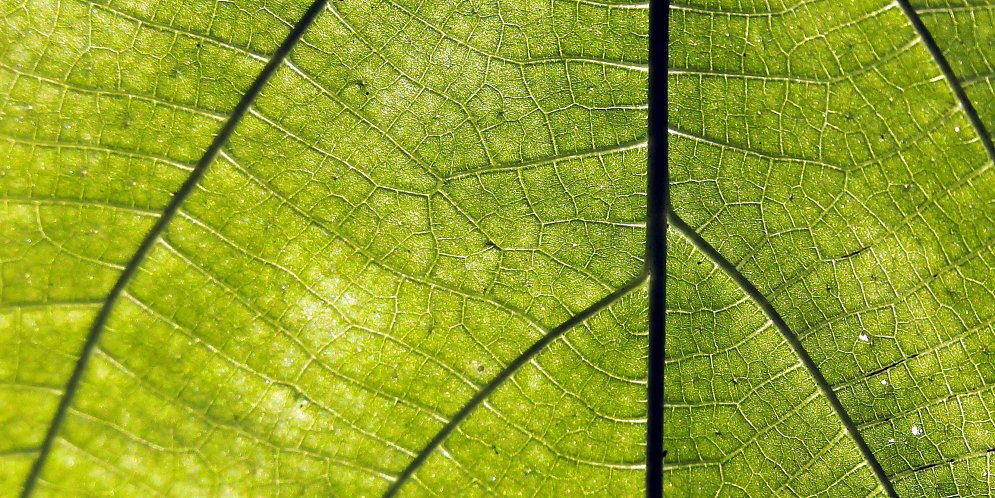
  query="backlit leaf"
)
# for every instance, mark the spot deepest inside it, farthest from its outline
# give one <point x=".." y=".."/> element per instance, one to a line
<point x="355" y="248"/>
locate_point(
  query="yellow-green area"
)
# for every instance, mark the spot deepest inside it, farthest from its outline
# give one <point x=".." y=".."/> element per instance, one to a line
<point x="425" y="189"/>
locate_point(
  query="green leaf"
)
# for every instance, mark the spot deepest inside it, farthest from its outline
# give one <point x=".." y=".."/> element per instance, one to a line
<point x="830" y="288"/>
<point x="356" y="248"/>
<point x="255" y="249"/>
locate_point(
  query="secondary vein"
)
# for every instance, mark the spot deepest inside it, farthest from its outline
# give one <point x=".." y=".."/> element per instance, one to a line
<point x="948" y="74"/>
<point x="503" y="376"/>
<point x="751" y="290"/>
<point x="129" y="271"/>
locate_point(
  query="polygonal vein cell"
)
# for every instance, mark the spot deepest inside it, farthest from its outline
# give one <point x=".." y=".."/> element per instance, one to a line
<point x="824" y="153"/>
<point x="743" y="415"/>
<point x="418" y="195"/>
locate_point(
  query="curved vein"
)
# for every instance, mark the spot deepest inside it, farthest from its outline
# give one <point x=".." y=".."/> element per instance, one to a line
<point x="502" y="376"/>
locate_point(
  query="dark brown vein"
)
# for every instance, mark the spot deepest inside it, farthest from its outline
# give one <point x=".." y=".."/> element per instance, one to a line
<point x="100" y="322"/>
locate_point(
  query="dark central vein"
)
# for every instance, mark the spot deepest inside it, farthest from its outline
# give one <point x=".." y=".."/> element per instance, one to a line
<point x="100" y="322"/>
<point x="768" y="309"/>
<point x="948" y="74"/>
<point x="503" y="376"/>
<point x="658" y="197"/>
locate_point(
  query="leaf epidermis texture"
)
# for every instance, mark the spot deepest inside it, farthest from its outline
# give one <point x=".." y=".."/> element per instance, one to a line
<point x="413" y="263"/>
<point x="379" y="236"/>
<point x="839" y="160"/>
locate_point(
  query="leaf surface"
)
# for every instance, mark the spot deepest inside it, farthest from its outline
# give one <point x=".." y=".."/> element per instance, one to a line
<point x="837" y="159"/>
<point x="293" y="247"/>
<point x="357" y="248"/>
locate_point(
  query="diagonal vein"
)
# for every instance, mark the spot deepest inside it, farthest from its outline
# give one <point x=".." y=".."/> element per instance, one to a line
<point x="751" y="290"/>
<point x="157" y="230"/>
<point x="502" y="376"/>
<point x="948" y="74"/>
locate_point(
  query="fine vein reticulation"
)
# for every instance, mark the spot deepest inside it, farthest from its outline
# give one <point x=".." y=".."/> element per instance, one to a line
<point x="948" y="74"/>
<point x="796" y="346"/>
<point x="504" y="375"/>
<point x="419" y="278"/>
<point x="167" y="216"/>
<point x="820" y="217"/>
<point x="403" y="254"/>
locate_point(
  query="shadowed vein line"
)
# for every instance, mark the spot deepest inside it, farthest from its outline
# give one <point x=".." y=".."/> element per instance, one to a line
<point x="948" y="74"/>
<point x="157" y="230"/>
<point x="504" y="375"/>
<point x="768" y="309"/>
<point x="657" y="200"/>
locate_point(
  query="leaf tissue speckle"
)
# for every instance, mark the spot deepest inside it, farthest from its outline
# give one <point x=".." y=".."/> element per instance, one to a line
<point x="398" y="248"/>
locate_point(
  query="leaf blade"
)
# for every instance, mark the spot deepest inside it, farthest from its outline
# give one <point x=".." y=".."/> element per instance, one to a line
<point x="262" y="320"/>
<point x="840" y="191"/>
